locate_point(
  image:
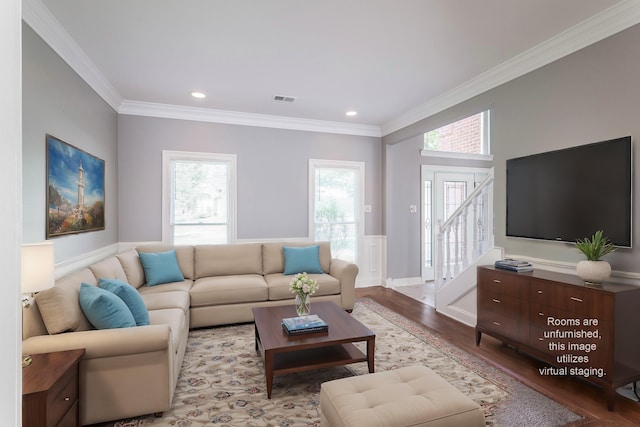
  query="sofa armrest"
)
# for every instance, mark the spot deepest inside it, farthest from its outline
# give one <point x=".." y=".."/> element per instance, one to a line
<point x="346" y="273"/>
<point x="103" y="342"/>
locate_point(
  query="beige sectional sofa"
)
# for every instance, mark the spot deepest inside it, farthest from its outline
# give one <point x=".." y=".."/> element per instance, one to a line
<point x="133" y="371"/>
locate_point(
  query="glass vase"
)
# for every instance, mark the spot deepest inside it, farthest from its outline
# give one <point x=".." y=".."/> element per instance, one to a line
<point x="303" y="304"/>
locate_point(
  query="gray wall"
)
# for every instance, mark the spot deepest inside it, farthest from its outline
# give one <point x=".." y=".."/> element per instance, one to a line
<point x="57" y="101"/>
<point x="589" y="96"/>
<point x="272" y="170"/>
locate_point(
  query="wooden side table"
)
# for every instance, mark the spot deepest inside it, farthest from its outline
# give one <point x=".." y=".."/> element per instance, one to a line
<point x="51" y="390"/>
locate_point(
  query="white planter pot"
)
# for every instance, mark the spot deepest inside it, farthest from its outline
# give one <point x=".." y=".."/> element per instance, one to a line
<point x="593" y="271"/>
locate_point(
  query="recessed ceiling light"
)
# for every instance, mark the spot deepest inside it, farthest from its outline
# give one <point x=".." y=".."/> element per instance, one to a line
<point x="352" y="113"/>
<point x="198" y="95"/>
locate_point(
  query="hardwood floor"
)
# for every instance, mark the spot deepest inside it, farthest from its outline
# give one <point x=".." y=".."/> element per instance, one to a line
<point x="579" y="396"/>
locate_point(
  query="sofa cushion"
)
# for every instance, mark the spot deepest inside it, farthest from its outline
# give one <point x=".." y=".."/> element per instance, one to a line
<point x="273" y="255"/>
<point x="164" y="300"/>
<point x="129" y="296"/>
<point x="160" y="267"/>
<point x="279" y="288"/>
<point x="183" y="286"/>
<point x="228" y="290"/>
<point x="59" y="309"/>
<point x="104" y="309"/>
<point x="109" y="268"/>
<point x="132" y="267"/>
<point x="304" y="259"/>
<point x="228" y="260"/>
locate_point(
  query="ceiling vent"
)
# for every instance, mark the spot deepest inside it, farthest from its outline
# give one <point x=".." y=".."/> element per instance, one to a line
<point x="282" y="98"/>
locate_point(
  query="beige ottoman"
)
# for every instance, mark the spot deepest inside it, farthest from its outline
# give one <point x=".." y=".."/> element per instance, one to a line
<point x="410" y="396"/>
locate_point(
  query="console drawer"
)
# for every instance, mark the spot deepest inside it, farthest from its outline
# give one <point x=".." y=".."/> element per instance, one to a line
<point x="503" y="315"/>
<point x="499" y="284"/>
<point x="569" y="299"/>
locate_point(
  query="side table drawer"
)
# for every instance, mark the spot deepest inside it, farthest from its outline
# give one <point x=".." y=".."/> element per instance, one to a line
<point x="62" y="395"/>
<point x="70" y="419"/>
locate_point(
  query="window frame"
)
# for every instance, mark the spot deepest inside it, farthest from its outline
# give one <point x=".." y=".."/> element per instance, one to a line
<point x="168" y="157"/>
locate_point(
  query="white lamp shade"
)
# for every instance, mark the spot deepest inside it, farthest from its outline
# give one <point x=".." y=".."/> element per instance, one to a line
<point x="38" y="267"/>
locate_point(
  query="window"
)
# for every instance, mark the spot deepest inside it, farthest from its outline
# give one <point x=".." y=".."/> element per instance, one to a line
<point x="336" y="201"/>
<point x="469" y="136"/>
<point x="199" y="194"/>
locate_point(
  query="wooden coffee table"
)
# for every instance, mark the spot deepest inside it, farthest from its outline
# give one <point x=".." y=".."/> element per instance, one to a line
<point x="283" y="354"/>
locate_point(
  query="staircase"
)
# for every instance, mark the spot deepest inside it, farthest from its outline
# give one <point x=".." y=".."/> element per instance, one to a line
<point x="464" y="241"/>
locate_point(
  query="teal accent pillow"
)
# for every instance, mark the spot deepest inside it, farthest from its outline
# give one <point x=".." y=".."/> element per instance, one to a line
<point x="104" y="309"/>
<point x="161" y="267"/>
<point x="304" y="259"/>
<point x="130" y="296"/>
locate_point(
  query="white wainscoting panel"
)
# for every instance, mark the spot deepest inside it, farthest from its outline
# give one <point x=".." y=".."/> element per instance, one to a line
<point x="372" y="263"/>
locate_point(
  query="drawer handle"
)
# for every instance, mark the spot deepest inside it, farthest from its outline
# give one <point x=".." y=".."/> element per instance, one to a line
<point x="539" y="292"/>
<point x="496" y="281"/>
<point x="66" y="399"/>
<point x="576" y="299"/>
<point x="540" y="339"/>
<point x="540" y="313"/>
<point x="497" y="323"/>
<point x="496" y="300"/>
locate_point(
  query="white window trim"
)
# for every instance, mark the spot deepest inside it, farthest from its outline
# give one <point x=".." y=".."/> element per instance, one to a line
<point x="345" y="164"/>
<point x="167" y="157"/>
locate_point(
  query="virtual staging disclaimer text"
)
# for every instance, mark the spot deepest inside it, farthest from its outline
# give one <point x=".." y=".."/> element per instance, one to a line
<point x="572" y="341"/>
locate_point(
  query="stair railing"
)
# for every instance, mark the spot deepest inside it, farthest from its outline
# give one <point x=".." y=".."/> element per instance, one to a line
<point x="466" y="234"/>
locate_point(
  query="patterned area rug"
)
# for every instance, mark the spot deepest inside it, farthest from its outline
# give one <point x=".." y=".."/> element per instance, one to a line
<point x="222" y="379"/>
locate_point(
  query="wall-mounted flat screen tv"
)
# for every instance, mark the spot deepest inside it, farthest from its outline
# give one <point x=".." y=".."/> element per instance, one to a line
<point x="569" y="194"/>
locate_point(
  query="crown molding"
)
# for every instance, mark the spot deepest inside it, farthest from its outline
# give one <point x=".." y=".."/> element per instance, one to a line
<point x="40" y="19"/>
<point x="149" y="109"/>
<point x="598" y="27"/>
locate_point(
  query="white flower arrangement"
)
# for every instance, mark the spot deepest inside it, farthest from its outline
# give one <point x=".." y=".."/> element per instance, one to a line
<point x="302" y="284"/>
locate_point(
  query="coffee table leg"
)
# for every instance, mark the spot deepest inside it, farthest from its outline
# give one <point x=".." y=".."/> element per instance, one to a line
<point x="268" y="371"/>
<point x="371" y="348"/>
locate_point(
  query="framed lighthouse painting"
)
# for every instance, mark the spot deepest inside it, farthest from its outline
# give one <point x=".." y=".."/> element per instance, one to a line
<point x="75" y="189"/>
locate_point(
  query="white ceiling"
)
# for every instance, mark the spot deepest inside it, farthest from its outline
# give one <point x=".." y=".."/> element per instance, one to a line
<point x="391" y="60"/>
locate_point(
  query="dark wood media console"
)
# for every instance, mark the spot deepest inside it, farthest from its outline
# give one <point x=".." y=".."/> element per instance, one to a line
<point x="592" y="332"/>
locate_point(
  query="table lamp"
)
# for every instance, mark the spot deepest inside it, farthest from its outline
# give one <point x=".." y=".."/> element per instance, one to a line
<point x="37" y="274"/>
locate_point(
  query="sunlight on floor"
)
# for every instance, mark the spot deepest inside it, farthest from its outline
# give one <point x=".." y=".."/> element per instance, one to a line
<point x="423" y="292"/>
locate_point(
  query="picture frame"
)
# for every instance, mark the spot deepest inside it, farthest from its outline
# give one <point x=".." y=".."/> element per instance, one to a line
<point x="75" y="200"/>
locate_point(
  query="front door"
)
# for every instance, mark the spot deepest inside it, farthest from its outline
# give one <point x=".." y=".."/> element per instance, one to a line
<point x="442" y="193"/>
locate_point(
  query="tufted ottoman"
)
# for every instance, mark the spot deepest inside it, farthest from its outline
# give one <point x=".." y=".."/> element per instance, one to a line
<point x="410" y="396"/>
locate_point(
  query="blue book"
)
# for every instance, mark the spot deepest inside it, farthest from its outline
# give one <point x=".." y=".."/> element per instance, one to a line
<point x="304" y="324"/>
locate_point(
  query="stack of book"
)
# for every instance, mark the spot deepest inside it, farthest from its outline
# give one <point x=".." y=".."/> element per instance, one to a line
<point x="514" y="265"/>
<point x="304" y="325"/>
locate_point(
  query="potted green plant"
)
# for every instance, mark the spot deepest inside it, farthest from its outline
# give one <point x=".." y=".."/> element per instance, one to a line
<point x="593" y="270"/>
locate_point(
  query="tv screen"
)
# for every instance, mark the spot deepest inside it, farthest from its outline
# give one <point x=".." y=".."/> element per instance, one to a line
<point x="569" y="194"/>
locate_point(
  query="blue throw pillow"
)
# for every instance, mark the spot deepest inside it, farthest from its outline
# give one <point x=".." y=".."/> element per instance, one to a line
<point x="302" y="260"/>
<point x="104" y="309"/>
<point x="161" y="267"/>
<point x="130" y="296"/>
